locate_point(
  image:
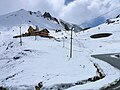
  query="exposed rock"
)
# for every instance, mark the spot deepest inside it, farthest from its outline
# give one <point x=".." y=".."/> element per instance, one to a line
<point x="118" y="16"/>
<point x="47" y="15"/>
<point x="68" y="26"/>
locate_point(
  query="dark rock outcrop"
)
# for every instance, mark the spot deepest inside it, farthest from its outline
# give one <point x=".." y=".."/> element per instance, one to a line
<point x="49" y="17"/>
<point x="67" y="26"/>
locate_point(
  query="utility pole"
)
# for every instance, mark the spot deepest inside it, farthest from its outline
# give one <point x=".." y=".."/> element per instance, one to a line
<point x="35" y="37"/>
<point x="63" y="42"/>
<point x="71" y="43"/>
<point x="20" y="37"/>
<point x="37" y="29"/>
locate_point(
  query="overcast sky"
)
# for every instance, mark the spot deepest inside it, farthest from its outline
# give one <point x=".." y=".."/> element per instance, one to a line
<point x="74" y="11"/>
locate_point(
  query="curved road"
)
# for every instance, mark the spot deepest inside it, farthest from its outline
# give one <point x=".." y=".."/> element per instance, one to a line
<point x="114" y="61"/>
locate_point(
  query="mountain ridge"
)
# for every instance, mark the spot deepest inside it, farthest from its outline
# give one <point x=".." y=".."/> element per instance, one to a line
<point x="45" y="20"/>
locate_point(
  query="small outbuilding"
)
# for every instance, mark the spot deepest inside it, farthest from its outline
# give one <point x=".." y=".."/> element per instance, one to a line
<point x="30" y="29"/>
<point x="108" y="21"/>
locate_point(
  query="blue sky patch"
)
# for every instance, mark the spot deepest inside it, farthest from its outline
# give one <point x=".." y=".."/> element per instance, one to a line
<point x="68" y="1"/>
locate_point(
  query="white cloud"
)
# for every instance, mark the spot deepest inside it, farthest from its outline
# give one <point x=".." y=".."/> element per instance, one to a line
<point x="53" y="6"/>
<point x="81" y="11"/>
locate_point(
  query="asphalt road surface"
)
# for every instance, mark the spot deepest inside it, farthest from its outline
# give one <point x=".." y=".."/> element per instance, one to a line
<point x="114" y="60"/>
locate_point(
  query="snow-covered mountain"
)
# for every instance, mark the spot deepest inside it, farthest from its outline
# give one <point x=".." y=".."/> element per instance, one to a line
<point x="47" y="60"/>
<point x="27" y="17"/>
<point x="34" y="18"/>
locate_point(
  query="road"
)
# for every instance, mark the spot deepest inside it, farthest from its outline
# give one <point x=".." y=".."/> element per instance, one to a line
<point x="114" y="62"/>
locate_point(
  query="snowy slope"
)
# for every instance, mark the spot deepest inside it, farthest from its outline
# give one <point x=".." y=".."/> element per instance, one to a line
<point x="101" y="46"/>
<point x="46" y="60"/>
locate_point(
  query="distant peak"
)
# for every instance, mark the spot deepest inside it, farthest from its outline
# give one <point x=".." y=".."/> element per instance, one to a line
<point x="22" y="10"/>
<point x="47" y="15"/>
